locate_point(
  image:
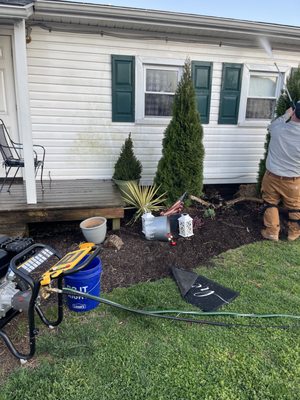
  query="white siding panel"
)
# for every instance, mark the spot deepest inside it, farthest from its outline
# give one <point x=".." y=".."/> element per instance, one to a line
<point x="68" y="81"/>
<point x="66" y="96"/>
<point x="45" y="105"/>
<point x="63" y="72"/>
<point x="72" y="89"/>
<point x="70" y="93"/>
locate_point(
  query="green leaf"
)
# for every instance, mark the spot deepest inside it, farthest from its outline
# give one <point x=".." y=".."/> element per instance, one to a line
<point x="144" y="198"/>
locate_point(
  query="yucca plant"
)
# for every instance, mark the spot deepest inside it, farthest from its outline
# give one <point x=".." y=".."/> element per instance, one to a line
<point x="143" y="198"/>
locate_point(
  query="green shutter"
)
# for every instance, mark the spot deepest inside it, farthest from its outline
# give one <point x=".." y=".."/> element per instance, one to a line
<point x="230" y="93"/>
<point x="123" y="88"/>
<point x="201" y="76"/>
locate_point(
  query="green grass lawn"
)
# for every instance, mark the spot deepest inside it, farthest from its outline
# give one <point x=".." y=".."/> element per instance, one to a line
<point x="110" y="354"/>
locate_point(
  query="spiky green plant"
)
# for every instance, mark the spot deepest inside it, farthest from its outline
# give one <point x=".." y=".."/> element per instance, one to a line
<point x="143" y="198"/>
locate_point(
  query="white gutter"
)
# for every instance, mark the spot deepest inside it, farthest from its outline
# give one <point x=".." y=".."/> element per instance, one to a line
<point x="102" y="17"/>
<point x="14" y="12"/>
<point x="163" y="18"/>
<point x="23" y="110"/>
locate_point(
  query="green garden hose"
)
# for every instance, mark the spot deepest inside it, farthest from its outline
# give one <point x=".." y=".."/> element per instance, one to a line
<point x="162" y="313"/>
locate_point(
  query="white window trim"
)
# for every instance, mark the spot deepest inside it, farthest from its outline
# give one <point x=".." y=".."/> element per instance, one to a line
<point x="140" y="79"/>
<point x="249" y="68"/>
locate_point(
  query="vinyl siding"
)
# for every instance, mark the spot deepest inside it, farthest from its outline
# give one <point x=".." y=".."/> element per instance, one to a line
<point x="70" y="97"/>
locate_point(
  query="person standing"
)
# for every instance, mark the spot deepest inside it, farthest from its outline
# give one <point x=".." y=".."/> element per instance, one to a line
<point x="281" y="181"/>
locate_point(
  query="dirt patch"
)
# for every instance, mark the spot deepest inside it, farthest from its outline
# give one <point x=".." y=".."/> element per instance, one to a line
<point x="140" y="260"/>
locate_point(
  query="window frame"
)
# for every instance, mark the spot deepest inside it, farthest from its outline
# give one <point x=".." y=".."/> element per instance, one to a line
<point x="260" y="70"/>
<point x="142" y="63"/>
<point x="161" y="68"/>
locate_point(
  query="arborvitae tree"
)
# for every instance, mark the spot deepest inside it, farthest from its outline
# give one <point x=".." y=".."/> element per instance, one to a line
<point x="127" y="167"/>
<point x="181" y="167"/>
<point x="283" y="103"/>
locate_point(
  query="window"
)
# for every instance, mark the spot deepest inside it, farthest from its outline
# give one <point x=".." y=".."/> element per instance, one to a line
<point x="156" y="84"/>
<point x="263" y="91"/>
<point x="160" y="86"/>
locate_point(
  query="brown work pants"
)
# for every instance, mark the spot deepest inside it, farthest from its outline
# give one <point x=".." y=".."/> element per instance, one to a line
<point x="275" y="189"/>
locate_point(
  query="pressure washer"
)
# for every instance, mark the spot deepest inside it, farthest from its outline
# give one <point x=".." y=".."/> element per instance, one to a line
<point x="26" y="282"/>
<point x="31" y="276"/>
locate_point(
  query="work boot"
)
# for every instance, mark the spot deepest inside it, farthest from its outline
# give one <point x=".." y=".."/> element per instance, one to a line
<point x="266" y="235"/>
<point x="271" y="222"/>
<point x="294" y="231"/>
<point x="293" y="225"/>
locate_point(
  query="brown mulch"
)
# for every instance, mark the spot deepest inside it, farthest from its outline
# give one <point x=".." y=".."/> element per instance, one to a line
<point x="140" y="260"/>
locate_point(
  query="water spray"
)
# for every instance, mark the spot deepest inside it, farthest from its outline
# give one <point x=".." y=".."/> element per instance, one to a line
<point x="264" y="43"/>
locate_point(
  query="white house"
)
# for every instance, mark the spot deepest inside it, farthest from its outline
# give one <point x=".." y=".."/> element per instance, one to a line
<point x="90" y="74"/>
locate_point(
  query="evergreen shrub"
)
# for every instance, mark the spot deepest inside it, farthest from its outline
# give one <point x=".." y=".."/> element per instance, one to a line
<point x="127" y="167"/>
<point x="180" y="168"/>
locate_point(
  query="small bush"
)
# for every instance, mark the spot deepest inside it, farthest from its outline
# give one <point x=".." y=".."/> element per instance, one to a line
<point x="127" y="167"/>
<point x="209" y="213"/>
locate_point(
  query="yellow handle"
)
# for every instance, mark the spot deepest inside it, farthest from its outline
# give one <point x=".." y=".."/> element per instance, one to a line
<point x="67" y="263"/>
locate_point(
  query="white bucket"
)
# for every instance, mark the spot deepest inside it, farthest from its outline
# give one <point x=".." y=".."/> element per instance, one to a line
<point x="157" y="228"/>
<point x="94" y="229"/>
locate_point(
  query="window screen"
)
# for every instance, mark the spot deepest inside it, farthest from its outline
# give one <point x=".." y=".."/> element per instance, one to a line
<point x="262" y="96"/>
<point x="160" y="88"/>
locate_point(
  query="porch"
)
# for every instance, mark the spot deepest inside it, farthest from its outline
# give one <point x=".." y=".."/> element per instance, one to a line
<point x="62" y="200"/>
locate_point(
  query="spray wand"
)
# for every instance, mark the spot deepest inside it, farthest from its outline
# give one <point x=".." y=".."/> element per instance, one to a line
<point x="264" y="43"/>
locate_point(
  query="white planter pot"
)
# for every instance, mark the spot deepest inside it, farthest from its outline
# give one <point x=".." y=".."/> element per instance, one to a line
<point x="156" y="228"/>
<point x="94" y="229"/>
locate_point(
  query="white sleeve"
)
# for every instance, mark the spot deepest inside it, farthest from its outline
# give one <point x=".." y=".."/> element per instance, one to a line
<point x="282" y="119"/>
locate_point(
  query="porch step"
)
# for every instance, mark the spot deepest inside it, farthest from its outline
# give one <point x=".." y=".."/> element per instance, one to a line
<point x="14" y="230"/>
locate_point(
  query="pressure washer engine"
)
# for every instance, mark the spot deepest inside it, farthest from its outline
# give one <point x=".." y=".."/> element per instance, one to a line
<point x="25" y="277"/>
<point x="9" y="247"/>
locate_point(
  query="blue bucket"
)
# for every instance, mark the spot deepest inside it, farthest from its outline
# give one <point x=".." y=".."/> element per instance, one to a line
<point x="86" y="280"/>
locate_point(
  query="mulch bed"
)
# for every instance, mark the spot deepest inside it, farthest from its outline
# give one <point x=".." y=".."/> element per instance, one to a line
<point x="141" y="260"/>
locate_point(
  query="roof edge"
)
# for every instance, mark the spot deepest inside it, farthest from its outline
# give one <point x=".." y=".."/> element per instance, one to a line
<point x="164" y="17"/>
<point x="16" y="12"/>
